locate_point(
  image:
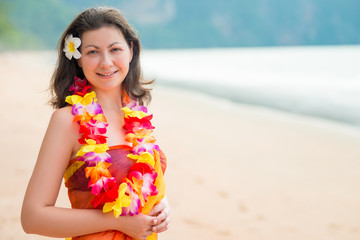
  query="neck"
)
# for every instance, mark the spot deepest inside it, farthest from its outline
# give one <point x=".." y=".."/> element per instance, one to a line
<point x="110" y="100"/>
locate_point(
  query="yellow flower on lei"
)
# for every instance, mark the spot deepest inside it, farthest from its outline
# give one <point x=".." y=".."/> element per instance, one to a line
<point x="123" y="200"/>
<point x="145" y="157"/>
<point x="86" y="100"/>
<point x="71" y="45"/>
<point x="91" y="146"/>
<point x="130" y="113"/>
<point x="143" y="133"/>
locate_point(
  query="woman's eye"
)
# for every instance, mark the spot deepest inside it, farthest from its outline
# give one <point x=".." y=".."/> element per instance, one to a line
<point x="115" y="49"/>
<point x="92" y="52"/>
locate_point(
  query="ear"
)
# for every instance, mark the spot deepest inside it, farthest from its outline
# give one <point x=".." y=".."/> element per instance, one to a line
<point x="79" y="63"/>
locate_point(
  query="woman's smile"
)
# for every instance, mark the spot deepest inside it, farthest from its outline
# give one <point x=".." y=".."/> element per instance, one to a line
<point x="107" y="74"/>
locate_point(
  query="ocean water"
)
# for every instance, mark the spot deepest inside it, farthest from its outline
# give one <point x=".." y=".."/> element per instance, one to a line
<point x="319" y="81"/>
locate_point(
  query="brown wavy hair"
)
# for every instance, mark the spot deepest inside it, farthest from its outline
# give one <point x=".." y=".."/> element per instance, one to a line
<point x="65" y="70"/>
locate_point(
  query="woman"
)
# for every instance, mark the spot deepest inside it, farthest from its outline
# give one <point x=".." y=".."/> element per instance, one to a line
<point x="124" y="180"/>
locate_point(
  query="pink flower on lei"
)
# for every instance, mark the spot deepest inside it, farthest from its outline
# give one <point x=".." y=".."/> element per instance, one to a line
<point x="80" y="86"/>
<point x="92" y="158"/>
<point x="146" y="173"/>
<point x="93" y="108"/>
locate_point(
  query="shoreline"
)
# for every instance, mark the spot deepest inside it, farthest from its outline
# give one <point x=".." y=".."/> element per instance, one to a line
<point x="264" y="110"/>
<point x="244" y="96"/>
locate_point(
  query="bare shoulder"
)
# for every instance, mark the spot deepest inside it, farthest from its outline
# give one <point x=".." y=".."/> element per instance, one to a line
<point x="62" y="133"/>
<point x="62" y="115"/>
<point x="62" y="119"/>
<point x="62" y="123"/>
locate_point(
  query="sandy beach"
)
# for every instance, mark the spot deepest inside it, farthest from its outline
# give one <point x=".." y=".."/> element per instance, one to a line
<point x="234" y="171"/>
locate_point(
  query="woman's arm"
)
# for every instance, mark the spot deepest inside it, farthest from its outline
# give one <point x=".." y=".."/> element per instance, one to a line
<point x="39" y="214"/>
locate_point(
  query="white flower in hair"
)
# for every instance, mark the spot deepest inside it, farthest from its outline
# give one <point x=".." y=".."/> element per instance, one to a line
<point x="71" y="45"/>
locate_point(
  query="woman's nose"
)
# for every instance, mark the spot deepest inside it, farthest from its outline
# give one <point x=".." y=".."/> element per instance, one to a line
<point x="106" y="61"/>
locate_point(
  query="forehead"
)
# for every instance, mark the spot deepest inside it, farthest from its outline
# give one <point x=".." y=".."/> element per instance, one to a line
<point x="103" y="35"/>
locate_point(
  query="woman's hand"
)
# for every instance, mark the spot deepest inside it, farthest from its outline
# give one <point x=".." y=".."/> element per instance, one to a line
<point x="138" y="226"/>
<point x="162" y="213"/>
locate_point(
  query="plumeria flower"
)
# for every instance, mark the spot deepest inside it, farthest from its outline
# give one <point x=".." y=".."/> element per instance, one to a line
<point x="71" y="45"/>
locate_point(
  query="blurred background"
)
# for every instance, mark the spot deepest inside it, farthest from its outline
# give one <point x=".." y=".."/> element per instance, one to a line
<point x="300" y="55"/>
<point x="192" y="24"/>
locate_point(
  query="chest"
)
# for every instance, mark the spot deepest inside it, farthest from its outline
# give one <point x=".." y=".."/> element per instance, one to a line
<point x="115" y="132"/>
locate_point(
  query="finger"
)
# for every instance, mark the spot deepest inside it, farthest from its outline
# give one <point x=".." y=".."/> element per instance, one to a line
<point x="162" y="216"/>
<point x="155" y="221"/>
<point x="157" y="209"/>
<point x="161" y="227"/>
<point x="164" y="224"/>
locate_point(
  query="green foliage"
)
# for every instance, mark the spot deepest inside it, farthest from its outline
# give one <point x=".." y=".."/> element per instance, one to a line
<point x="43" y="21"/>
<point x="8" y="33"/>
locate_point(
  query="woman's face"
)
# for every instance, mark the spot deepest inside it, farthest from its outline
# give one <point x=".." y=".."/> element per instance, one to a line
<point x="105" y="57"/>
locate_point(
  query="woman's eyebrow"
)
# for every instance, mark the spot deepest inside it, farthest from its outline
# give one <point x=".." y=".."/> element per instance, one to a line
<point x="115" y="43"/>
<point x="94" y="46"/>
<point x="91" y="45"/>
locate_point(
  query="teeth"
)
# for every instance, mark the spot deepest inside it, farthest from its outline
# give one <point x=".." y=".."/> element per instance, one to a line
<point x="105" y="74"/>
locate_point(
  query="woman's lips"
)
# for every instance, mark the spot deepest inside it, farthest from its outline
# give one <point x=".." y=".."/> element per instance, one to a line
<point x="107" y="74"/>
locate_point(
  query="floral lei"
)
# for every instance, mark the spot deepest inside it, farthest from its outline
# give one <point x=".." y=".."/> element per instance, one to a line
<point x="130" y="195"/>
